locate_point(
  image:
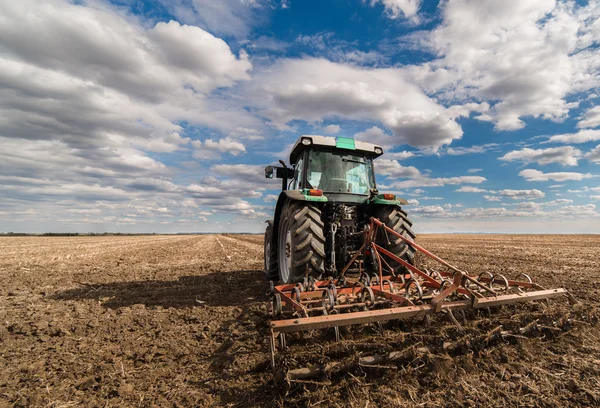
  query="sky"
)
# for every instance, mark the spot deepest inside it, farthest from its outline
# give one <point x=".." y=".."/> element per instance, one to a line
<point x="160" y="115"/>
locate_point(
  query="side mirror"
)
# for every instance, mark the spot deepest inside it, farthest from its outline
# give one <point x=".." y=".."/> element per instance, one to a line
<point x="269" y="172"/>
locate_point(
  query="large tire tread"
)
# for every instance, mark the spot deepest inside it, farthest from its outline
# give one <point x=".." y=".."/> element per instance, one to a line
<point x="396" y="219"/>
<point x="308" y="240"/>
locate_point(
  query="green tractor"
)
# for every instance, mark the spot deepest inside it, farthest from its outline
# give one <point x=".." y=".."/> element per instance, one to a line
<point x="328" y="198"/>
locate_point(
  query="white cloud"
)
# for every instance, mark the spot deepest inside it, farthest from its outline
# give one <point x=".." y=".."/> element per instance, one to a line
<point x="228" y="17"/>
<point x="474" y="170"/>
<point x="332" y="129"/>
<point x="492" y="198"/>
<point x="87" y="91"/>
<point x="325" y="44"/>
<point x="470" y="189"/>
<point x="582" y="136"/>
<point x="207" y="149"/>
<point x="559" y="201"/>
<point x="398" y="8"/>
<point x="565" y="155"/>
<point x="400" y="155"/>
<point x="593" y="155"/>
<point x="525" y="56"/>
<point x="439" y="182"/>
<point x="590" y="119"/>
<point x="392" y="168"/>
<point x="595" y="197"/>
<point x="314" y="89"/>
<point x="536" y="175"/>
<point x="459" y="151"/>
<point x="522" y="194"/>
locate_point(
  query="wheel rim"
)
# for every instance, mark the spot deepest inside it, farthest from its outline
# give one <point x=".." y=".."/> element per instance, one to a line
<point x="285" y="252"/>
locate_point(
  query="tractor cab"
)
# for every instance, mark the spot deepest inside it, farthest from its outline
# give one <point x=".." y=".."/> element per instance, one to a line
<point x="338" y="168"/>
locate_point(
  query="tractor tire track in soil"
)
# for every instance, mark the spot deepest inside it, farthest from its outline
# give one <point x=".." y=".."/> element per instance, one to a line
<point x="181" y="321"/>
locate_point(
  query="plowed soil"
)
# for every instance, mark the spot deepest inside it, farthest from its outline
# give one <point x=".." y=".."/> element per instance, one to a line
<point x="181" y="321"/>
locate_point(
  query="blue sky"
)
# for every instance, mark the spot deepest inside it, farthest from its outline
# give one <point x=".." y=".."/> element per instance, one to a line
<point x="159" y="115"/>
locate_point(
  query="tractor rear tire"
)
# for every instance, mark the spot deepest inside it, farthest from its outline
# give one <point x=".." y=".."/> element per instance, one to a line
<point x="396" y="218"/>
<point x="270" y="255"/>
<point x="301" y="242"/>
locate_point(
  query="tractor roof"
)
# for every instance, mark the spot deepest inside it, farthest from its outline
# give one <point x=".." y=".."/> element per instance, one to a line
<point x="342" y="143"/>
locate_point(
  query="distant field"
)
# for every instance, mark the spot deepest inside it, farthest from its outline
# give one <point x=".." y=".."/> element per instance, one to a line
<point x="180" y="320"/>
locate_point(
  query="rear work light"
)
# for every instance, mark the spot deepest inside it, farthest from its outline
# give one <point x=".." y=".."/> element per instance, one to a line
<point x="316" y="193"/>
<point x="389" y="196"/>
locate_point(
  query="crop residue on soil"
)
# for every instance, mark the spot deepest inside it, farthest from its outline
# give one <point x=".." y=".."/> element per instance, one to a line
<point x="181" y="321"/>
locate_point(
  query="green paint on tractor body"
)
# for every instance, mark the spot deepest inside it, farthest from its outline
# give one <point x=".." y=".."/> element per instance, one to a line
<point x="345" y="143"/>
<point x="318" y="199"/>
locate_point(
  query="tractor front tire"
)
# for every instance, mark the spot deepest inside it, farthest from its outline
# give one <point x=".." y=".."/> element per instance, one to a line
<point x="300" y="243"/>
<point x="396" y="218"/>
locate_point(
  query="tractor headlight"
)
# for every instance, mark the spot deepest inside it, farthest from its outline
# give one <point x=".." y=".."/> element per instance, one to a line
<point x="378" y="150"/>
<point x="306" y="141"/>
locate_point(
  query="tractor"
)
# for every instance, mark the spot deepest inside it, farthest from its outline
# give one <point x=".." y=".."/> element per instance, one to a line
<point x="328" y="197"/>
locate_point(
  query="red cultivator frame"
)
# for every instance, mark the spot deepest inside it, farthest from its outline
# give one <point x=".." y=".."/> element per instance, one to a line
<point x="357" y="298"/>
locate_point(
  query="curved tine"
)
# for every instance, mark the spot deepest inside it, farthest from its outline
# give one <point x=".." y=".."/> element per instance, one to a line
<point x="417" y="287"/>
<point x="327" y="300"/>
<point x="367" y="291"/>
<point x="490" y="276"/>
<point x="502" y="280"/>
<point x="333" y="290"/>
<point x="520" y="289"/>
<point x="525" y="276"/>
<point x="295" y="295"/>
<point x="277" y="309"/>
<point x="390" y="284"/>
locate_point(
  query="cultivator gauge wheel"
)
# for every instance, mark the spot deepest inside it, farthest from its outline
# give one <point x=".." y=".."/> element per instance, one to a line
<point x="357" y="297"/>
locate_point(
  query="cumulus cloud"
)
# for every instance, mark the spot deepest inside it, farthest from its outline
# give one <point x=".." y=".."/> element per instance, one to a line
<point x="543" y="46"/>
<point x="399" y="155"/>
<point x="208" y="149"/>
<point x="439" y="182"/>
<point x="459" y="151"/>
<point x="312" y="89"/>
<point x="536" y="175"/>
<point x="392" y="168"/>
<point x="332" y="129"/>
<point x="522" y="194"/>
<point x="593" y="155"/>
<point x="492" y="198"/>
<point x="565" y="155"/>
<point x="399" y="8"/>
<point x="583" y="136"/>
<point x="590" y="119"/>
<point x="224" y="17"/>
<point x="470" y="189"/>
<point x="86" y="92"/>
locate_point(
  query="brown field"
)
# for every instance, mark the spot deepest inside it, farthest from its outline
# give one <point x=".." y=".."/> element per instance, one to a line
<point x="181" y="321"/>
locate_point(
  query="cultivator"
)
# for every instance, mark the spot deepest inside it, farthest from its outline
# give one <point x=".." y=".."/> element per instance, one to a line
<point x="359" y="297"/>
